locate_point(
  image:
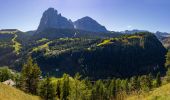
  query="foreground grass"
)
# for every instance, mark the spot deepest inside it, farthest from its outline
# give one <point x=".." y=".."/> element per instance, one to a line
<point x="11" y="93"/>
<point x="162" y="93"/>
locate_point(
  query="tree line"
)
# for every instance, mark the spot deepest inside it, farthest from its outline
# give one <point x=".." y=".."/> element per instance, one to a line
<point x="78" y="88"/>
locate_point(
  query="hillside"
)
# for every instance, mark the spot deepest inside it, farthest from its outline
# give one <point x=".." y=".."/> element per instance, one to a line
<point x="122" y="56"/>
<point x="11" y="93"/>
<point x="11" y="45"/>
<point x="161" y="93"/>
<point x="96" y="57"/>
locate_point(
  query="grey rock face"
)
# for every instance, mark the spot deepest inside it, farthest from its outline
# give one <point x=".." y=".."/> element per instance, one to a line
<point x="88" y="24"/>
<point x="51" y="19"/>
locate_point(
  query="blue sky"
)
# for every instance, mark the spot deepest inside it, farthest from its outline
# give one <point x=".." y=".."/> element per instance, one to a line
<point x="116" y="15"/>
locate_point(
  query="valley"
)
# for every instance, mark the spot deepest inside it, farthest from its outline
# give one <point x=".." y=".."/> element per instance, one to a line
<point x="82" y="60"/>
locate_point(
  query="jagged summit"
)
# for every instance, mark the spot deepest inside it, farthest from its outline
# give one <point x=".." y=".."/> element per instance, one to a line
<point x="52" y="19"/>
<point x="89" y="24"/>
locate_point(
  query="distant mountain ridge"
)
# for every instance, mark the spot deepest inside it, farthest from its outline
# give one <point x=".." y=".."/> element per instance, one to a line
<point x="158" y="34"/>
<point x="133" y="31"/>
<point x="52" y="19"/>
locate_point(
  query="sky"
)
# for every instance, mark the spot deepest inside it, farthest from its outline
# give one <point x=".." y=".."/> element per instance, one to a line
<point x="115" y="15"/>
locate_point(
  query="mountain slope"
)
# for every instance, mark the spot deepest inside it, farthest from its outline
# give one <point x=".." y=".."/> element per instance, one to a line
<point x="122" y="56"/>
<point x="11" y="45"/>
<point x="11" y="93"/>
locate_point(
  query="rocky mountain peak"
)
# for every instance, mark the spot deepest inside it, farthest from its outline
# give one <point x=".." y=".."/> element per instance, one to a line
<point x="89" y="24"/>
<point x="51" y="19"/>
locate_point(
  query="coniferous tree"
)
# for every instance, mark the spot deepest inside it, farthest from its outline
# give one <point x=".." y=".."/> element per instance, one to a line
<point x="168" y="75"/>
<point x="58" y="89"/>
<point x="125" y="86"/>
<point x="158" y="80"/>
<point x="145" y="83"/>
<point x="79" y="90"/>
<point x="65" y="87"/>
<point x="112" y="89"/>
<point x="150" y="80"/>
<point x="47" y="89"/>
<point x="134" y="84"/>
<point x="99" y="91"/>
<point x="30" y="76"/>
<point x="167" y="64"/>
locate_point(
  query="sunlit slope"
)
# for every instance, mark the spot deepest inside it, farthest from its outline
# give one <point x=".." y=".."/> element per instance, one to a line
<point x="162" y="93"/>
<point x="11" y="93"/>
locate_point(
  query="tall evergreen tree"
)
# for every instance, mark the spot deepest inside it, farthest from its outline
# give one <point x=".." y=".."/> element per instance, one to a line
<point x="58" y="89"/>
<point x="112" y="89"/>
<point x="79" y="90"/>
<point x="99" y="91"/>
<point x="134" y="84"/>
<point x="158" y="80"/>
<point x="167" y="64"/>
<point x="65" y="87"/>
<point x="168" y="75"/>
<point x="47" y="89"/>
<point x="145" y="83"/>
<point x="30" y="75"/>
<point x="150" y="81"/>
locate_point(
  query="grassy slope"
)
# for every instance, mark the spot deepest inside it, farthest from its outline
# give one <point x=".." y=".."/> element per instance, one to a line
<point x="16" y="45"/>
<point x="11" y="93"/>
<point x="162" y="93"/>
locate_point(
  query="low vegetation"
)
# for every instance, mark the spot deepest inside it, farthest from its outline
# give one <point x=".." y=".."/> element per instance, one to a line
<point x="11" y="93"/>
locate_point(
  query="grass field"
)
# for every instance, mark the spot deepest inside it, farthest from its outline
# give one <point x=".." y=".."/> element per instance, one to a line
<point x="162" y="93"/>
<point x="11" y="93"/>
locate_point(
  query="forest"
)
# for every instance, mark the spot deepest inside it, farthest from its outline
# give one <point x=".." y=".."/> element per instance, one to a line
<point x="30" y="80"/>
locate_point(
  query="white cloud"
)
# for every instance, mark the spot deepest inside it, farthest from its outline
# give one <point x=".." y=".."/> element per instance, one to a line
<point x="129" y="26"/>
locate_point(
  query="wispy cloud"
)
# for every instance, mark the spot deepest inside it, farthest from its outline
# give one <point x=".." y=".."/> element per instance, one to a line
<point x="129" y="26"/>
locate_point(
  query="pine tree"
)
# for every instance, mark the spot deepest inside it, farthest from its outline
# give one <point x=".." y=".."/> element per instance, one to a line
<point x="158" y="80"/>
<point x="58" y="89"/>
<point x="79" y="90"/>
<point x="125" y="86"/>
<point x="134" y="84"/>
<point x="150" y="80"/>
<point x="168" y="75"/>
<point x="145" y="83"/>
<point x="112" y="89"/>
<point x="99" y="91"/>
<point x="167" y="64"/>
<point x="47" y="89"/>
<point x="65" y="87"/>
<point x="30" y="76"/>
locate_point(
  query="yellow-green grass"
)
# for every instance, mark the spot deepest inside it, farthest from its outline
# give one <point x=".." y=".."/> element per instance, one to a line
<point x="105" y="42"/>
<point x="41" y="47"/>
<point x="42" y="40"/>
<point x="16" y="45"/>
<point x="11" y="93"/>
<point x="161" y="93"/>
